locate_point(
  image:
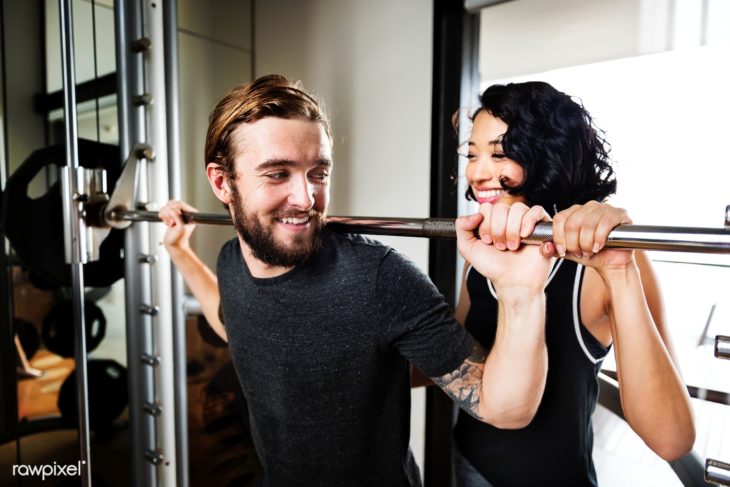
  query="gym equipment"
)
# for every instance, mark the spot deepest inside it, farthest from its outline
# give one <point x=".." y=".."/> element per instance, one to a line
<point x="34" y="226"/>
<point x="647" y="237"/>
<point x="107" y="394"/>
<point x="58" y="330"/>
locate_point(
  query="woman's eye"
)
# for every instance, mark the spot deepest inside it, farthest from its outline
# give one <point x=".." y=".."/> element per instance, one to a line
<point x="499" y="155"/>
<point x="471" y="157"/>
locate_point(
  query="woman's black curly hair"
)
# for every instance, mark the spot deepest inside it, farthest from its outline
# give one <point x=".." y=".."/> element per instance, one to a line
<point x="565" y="158"/>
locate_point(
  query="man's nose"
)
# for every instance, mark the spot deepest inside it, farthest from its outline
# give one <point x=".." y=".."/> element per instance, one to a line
<point x="301" y="194"/>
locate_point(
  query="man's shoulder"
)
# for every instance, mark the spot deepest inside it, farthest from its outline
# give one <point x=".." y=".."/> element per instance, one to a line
<point x="355" y="251"/>
<point x="357" y="246"/>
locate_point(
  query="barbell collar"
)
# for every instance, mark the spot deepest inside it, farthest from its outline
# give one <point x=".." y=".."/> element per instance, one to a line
<point x="722" y="346"/>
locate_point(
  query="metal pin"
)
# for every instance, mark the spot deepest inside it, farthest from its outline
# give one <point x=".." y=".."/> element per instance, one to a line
<point x="140" y="45"/>
<point x="142" y="100"/>
<point x="146" y="309"/>
<point x="151" y="360"/>
<point x="153" y="409"/>
<point x="147" y="259"/>
<point x="155" y="457"/>
<point x="143" y="151"/>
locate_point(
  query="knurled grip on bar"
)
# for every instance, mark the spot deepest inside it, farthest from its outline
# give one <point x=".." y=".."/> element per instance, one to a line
<point x="439" y="228"/>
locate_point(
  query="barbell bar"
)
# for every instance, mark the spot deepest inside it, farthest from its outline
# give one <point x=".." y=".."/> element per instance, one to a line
<point x="643" y="237"/>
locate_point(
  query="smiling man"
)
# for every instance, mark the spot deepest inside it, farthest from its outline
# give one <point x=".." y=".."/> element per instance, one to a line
<point x="322" y="327"/>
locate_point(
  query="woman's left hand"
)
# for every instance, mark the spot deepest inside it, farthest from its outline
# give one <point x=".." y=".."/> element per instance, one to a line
<point x="580" y="234"/>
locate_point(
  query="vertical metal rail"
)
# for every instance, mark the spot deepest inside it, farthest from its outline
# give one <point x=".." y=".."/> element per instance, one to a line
<point x="469" y="91"/>
<point x="172" y="87"/>
<point x="716" y="471"/>
<point x="161" y="271"/>
<point x="448" y="24"/>
<point x="130" y="80"/>
<point x="72" y="228"/>
<point x="8" y="374"/>
<point x="123" y="53"/>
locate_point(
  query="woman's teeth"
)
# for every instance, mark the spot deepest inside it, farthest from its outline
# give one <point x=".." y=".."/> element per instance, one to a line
<point x="490" y="193"/>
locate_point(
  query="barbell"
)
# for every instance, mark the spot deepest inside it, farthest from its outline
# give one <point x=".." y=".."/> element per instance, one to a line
<point x="646" y="237"/>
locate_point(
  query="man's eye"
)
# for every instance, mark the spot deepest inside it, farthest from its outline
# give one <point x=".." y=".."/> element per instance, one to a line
<point x="277" y="175"/>
<point x="321" y="176"/>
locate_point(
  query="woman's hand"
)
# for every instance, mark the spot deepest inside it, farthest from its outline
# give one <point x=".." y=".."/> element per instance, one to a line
<point x="497" y="253"/>
<point x="580" y="234"/>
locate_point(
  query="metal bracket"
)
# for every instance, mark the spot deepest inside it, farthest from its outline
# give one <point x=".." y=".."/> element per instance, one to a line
<point x="717" y="472"/>
<point x="124" y="193"/>
<point x="91" y="197"/>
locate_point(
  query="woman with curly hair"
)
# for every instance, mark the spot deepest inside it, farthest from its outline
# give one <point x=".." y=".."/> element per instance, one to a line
<point x="532" y="145"/>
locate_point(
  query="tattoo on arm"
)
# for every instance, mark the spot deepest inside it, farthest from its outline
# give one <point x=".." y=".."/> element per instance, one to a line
<point x="464" y="385"/>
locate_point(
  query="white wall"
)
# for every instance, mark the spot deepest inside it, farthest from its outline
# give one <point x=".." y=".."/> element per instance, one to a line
<point x="215" y="54"/>
<point x="371" y="64"/>
<point x="531" y="36"/>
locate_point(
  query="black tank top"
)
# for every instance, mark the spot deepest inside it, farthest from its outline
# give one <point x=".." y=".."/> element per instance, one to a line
<point x="556" y="447"/>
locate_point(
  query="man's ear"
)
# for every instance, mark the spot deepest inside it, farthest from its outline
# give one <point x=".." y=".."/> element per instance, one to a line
<point x="219" y="182"/>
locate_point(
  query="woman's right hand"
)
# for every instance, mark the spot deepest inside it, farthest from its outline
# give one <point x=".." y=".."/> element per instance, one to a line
<point x="178" y="232"/>
<point x="497" y="253"/>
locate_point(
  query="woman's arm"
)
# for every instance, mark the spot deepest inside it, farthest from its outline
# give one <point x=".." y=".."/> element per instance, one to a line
<point x="653" y="396"/>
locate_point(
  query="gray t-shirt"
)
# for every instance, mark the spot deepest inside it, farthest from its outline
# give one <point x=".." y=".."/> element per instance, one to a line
<point x="322" y="355"/>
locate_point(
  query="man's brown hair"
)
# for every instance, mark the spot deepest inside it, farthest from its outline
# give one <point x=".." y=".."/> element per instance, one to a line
<point x="268" y="96"/>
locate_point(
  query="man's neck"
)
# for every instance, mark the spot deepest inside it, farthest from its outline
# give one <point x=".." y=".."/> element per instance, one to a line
<point x="257" y="268"/>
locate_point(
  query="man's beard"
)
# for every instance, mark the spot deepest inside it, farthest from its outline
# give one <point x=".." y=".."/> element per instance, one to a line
<point x="262" y="242"/>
